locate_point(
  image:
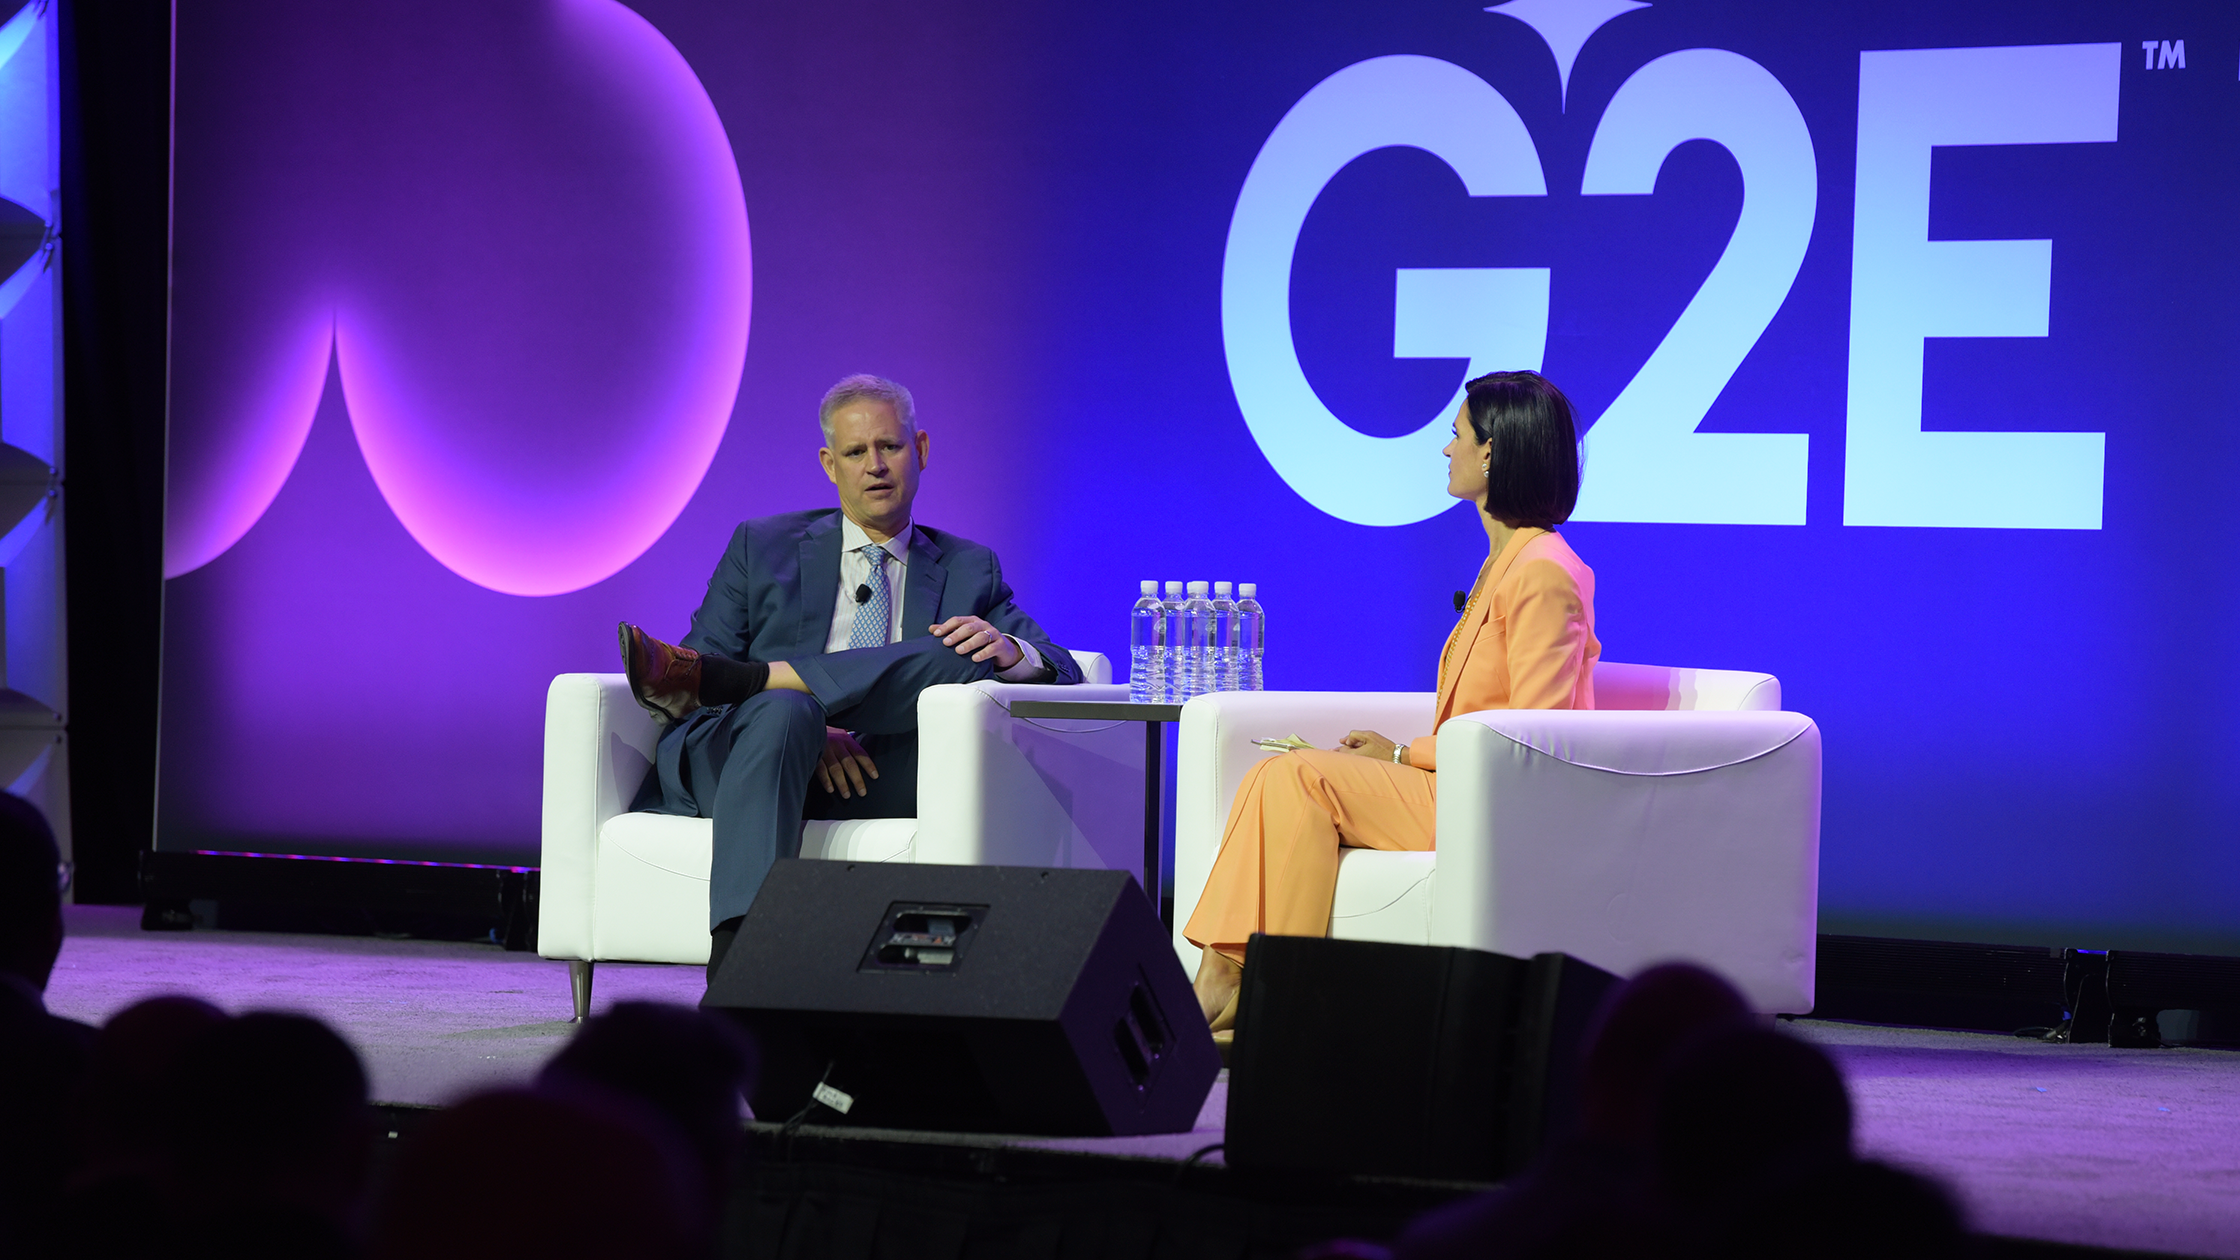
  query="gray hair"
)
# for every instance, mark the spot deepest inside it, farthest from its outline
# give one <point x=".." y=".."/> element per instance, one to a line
<point x="860" y="386"/>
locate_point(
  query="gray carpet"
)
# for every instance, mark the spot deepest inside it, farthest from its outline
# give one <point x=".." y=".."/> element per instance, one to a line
<point x="2080" y="1144"/>
<point x="433" y="1020"/>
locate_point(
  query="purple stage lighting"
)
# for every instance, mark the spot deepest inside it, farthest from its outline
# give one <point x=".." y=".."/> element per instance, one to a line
<point x="533" y="272"/>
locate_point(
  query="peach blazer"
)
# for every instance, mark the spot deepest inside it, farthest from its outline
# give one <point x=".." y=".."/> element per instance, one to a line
<point x="1525" y="642"/>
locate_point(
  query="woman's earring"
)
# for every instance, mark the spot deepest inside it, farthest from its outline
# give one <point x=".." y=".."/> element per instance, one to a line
<point x="1488" y="469"/>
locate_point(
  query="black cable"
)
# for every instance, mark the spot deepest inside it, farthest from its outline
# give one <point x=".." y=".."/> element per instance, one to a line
<point x="794" y="1122"/>
<point x="785" y="1152"/>
<point x="1186" y="1165"/>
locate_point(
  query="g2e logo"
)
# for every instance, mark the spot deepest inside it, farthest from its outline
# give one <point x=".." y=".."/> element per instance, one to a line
<point x="1646" y="461"/>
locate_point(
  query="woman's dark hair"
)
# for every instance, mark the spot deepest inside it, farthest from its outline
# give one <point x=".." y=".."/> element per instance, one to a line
<point x="1534" y="474"/>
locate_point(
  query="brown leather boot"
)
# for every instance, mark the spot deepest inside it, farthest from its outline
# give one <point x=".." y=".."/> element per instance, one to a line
<point x="664" y="677"/>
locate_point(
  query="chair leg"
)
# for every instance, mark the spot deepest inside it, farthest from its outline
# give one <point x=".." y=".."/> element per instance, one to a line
<point x="579" y="980"/>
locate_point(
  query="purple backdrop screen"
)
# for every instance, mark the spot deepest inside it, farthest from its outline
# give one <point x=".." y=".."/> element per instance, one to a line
<point x="1906" y="329"/>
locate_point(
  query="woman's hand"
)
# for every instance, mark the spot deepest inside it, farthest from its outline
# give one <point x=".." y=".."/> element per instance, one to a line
<point x="1367" y="744"/>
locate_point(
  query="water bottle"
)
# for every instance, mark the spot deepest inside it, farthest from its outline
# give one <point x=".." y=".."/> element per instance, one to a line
<point x="1170" y="665"/>
<point x="1252" y="638"/>
<point x="1147" y="646"/>
<point x="1197" y="631"/>
<point x="1223" y="641"/>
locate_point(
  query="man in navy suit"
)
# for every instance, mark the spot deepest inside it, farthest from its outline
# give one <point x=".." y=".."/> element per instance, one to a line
<point x="805" y="660"/>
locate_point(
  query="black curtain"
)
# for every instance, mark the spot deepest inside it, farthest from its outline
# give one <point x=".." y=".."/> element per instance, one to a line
<point x="116" y="180"/>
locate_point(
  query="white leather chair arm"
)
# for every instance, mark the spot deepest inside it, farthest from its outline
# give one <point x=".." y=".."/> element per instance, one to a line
<point x="1619" y="686"/>
<point x="995" y="790"/>
<point x="1630" y="838"/>
<point x="1216" y="752"/>
<point x="598" y="745"/>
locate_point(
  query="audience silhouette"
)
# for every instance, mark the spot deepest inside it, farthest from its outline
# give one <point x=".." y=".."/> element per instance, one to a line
<point x="524" y="1175"/>
<point x="127" y="1085"/>
<point x="1569" y="1194"/>
<point x="178" y="1130"/>
<point x="688" y="1070"/>
<point x="1701" y="1134"/>
<point x="269" y="1138"/>
<point x="124" y="1148"/>
<point x="199" y="1134"/>
<point x="1754" y="1158"/>
<point x="42" y="1056"/>
<point x="203" y="1135"/>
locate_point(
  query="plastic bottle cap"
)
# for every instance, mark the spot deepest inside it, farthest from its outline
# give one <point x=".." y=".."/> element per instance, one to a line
<point x="1174" y="588"/>
<point x="1248" y="589"/>
<point x="1221" y="589"/>
<point x="1197" y="588"/>
<point x="1148" y="588"/>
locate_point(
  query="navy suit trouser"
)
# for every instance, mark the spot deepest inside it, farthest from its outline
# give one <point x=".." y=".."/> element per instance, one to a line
<point x="750" y="766"/>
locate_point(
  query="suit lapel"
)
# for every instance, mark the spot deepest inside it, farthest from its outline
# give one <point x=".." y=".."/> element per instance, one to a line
<point x="1479" y="614"/>
<point x="820" y="581"/>
<point x="921" y="588"/>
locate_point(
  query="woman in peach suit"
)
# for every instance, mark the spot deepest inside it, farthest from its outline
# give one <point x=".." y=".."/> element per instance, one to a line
<point x="1525" y="641"/>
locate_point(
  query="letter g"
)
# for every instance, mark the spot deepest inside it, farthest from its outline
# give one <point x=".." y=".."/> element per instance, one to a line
<point x="1499" y="318"/>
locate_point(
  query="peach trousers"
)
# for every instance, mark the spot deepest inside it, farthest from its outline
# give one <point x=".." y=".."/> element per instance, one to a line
<point x="1278" y="867"/>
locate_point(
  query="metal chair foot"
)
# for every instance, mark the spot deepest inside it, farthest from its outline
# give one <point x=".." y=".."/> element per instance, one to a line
<point x="579" y="981"/>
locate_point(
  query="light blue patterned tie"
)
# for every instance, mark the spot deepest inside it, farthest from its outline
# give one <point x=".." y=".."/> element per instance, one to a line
<point x="872" y="615"/>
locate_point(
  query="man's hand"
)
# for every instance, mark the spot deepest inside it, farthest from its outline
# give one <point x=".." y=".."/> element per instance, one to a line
<point x="1366" y="744"/>
<point x="971" y="636"/>
<point x="844" y="764"/>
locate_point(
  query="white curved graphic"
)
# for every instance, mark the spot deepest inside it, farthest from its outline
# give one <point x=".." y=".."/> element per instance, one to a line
<point x="1416" y="102"/>
<point x="1565" y="26"/>
<point x="1646" y="462"/>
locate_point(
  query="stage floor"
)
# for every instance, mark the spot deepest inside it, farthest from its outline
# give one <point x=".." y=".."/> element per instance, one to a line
<point x="2131" y="1149"/>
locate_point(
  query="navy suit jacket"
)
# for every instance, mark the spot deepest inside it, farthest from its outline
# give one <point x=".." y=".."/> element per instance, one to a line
<point x="772" y="594"/>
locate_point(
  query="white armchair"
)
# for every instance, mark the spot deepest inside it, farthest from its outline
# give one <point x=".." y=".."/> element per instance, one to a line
<point x="992" y="790"/>
<point x="1679" y="819"/>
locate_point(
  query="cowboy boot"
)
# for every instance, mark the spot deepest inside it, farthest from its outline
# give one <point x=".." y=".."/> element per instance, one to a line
<point x="664" y="678"/>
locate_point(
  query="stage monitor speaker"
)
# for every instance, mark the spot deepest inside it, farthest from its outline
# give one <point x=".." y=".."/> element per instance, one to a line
<point x="995" y="999"/>
<point x="1404" y="1060"/>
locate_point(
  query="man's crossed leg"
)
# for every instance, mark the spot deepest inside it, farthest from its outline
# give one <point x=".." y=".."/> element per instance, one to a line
<point x="748" y="763"/>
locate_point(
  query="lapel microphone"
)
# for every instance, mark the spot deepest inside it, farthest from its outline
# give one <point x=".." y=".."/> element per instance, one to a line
<point x="863" y="593"/>
<point x="1461" y="600"/>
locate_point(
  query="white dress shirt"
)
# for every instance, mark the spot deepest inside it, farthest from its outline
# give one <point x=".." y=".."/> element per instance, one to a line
<point x="855" y="571"/>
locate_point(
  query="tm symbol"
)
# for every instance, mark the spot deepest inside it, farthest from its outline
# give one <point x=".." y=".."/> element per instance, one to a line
<point x="2163" y="54"/>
